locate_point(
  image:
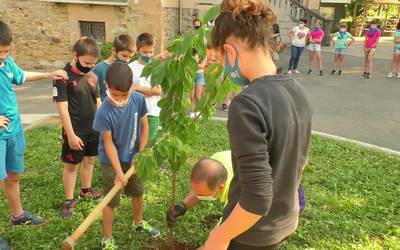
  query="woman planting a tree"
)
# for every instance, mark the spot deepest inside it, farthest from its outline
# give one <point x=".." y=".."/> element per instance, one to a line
<point x="269" y="127"/>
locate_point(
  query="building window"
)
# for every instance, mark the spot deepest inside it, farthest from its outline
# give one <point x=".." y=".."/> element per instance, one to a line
<point x="96" y="30"/>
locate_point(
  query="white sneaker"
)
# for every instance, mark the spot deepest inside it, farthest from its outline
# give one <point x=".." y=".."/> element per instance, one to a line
<point x="398" y="75"/>
<point x="192" y="114"/>
<point x="289" y="72"/>
<point x="296" y="71"/>
<point x="198" y="114"/>
<point x="390" y="75"/>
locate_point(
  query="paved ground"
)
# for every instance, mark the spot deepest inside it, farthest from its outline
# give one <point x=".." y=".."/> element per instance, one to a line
<point x="350" y="106"/>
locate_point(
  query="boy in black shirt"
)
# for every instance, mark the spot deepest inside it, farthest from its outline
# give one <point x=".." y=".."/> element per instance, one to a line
<point x="77" y="100"/>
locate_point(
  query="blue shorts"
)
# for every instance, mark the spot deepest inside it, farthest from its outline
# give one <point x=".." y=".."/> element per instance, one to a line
<point x="341" y="51"/>
<point x="200" y="79"/>
<point x="12" y="155"/>
<point x="314" y="47"/>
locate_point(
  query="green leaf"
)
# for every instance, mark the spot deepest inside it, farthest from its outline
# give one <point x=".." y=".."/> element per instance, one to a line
<point x="175" y="45"/>
<point x="149" y="68"/>
<point x="211" y="14"/>
<point x="158" y="74"/>
<point x="146" y="164"/>
<point x="187" y="43"/>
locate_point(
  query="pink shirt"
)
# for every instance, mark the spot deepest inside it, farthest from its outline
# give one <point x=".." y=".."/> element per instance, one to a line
<point x="371" y="38"/>
<point x="317" y="35"/>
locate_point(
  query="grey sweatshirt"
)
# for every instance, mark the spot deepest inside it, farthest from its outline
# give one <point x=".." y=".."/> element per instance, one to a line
<point x="269" y="130"/>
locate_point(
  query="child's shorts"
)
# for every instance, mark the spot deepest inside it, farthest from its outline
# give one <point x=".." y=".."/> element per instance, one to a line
<point x="340" y="51"/>
<point x="200" y="78"/>
<point x="134" y="188"/>
<point x="314" y="47"/>
<point x="90" y="148"/>
<point x="12" y="155"/>
<point x="396" y="50"/>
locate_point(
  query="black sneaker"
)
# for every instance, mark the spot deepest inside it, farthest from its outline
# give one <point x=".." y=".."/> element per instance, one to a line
<point x="321" y="73"/>
<point x="339" y="73"/>
<point x="28" y="219"/>
<point x="368" y="75"/>
<point x="333" y="72"/>
<point x="4" y="245"/>
<point x="68" y="209"/>
<point x="365" y="74"/>
<point x="309" y="72"/>
<point x="225" y="107"/>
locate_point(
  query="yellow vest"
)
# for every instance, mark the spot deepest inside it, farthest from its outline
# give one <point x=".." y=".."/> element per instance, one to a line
<point x="225" y="158"/>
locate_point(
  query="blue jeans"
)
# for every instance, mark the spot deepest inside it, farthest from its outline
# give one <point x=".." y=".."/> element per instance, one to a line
<point x="295" y="57"/>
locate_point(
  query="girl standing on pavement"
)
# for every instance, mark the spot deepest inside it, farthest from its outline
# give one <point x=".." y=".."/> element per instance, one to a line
<point x="297" y="37"/>
<point x="396" y="54"/>
<point x="371" y="41"/>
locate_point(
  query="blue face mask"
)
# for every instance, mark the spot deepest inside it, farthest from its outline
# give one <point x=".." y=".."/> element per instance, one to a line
<point x="145" y="59"/>
<point x="234" y="74"/>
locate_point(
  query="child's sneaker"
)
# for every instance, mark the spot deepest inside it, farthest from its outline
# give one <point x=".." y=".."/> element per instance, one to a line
<point x="296" y="71"/>
<point x="309" y="72"/>
<point x="4" y="244"/>
<point x="90" y="193"/>
<point x="289" y="72"/>
<point x="145" y="228"/>
<point x="398" y="75"/>
<point x="368" y="75"/>
<point x="321" y="73"/>
<point x="28" y="219"/>
<point x="68" y="208"/>
<point x="333" y="72"/>
<point x="339" y="73"/>
<point x="390" y="75"/>
<point x="225" y="107"/>
<point x="108" y="244"/>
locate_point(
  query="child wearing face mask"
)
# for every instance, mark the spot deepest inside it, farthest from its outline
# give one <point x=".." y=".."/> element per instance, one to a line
<point x="122" y="50"/>
<point x="124" y="129"/>
<point x="145" y="45"/>
<point x="297" y="36"/>
<point x="316" y="35"/>
<point x="371" y="42"/>
<point x="77" y="100"/>
<point x="341" y="40"/>
<point x="396" y="54"/>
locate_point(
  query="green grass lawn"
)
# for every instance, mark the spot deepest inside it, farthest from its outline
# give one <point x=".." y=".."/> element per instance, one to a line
<point x="353" y="198"/>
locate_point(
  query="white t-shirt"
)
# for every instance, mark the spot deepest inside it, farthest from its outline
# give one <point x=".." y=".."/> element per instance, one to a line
<point x="152" y="101"/>
<point x="299" y="36"/>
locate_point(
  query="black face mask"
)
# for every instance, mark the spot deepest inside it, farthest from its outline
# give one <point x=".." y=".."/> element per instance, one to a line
<point x="82" y="68"/>
<point x="197" y="27"/>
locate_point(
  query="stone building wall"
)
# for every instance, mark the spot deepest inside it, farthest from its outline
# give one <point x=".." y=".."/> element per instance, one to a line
<point x="40" y="33"/>
<point x="171" y="22"/>
<point x="44" y="32"/>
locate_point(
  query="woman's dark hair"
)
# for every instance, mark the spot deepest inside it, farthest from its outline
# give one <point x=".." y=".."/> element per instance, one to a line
<point x="247" y="20"/>
<point x="5" y="34"/>
<point x="86" y="46"/>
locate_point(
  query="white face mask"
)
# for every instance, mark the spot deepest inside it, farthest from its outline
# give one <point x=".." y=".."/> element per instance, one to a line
<point x="118" y="104"/>
<point x="301" y="25"/>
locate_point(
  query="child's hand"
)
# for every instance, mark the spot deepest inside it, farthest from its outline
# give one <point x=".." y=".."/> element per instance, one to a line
<point x="58" y="75"/>
<point x="75" y="143"/>
<point x="119" y="178"/>
<point x="164" y="55"/>
<point x="4" y="122"/>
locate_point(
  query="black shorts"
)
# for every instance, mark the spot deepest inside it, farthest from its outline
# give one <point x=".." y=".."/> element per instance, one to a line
<point x="90" y="148"/>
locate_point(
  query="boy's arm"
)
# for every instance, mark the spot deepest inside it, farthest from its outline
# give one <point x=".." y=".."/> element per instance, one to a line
<point x="147" y="92"/>
<point x="55" y="75"/>
<point x="144" y="133"/>
<point x="112" y="155"/>
<point x="73" y="140"/>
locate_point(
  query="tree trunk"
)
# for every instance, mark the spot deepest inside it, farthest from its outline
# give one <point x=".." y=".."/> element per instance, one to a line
<point x="173" y="201"/>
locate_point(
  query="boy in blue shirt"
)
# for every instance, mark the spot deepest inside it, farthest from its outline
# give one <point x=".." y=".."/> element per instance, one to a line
<point x="122" y="50"/>
<point x="124" y="130"/>
<point x="12" y="140"/>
